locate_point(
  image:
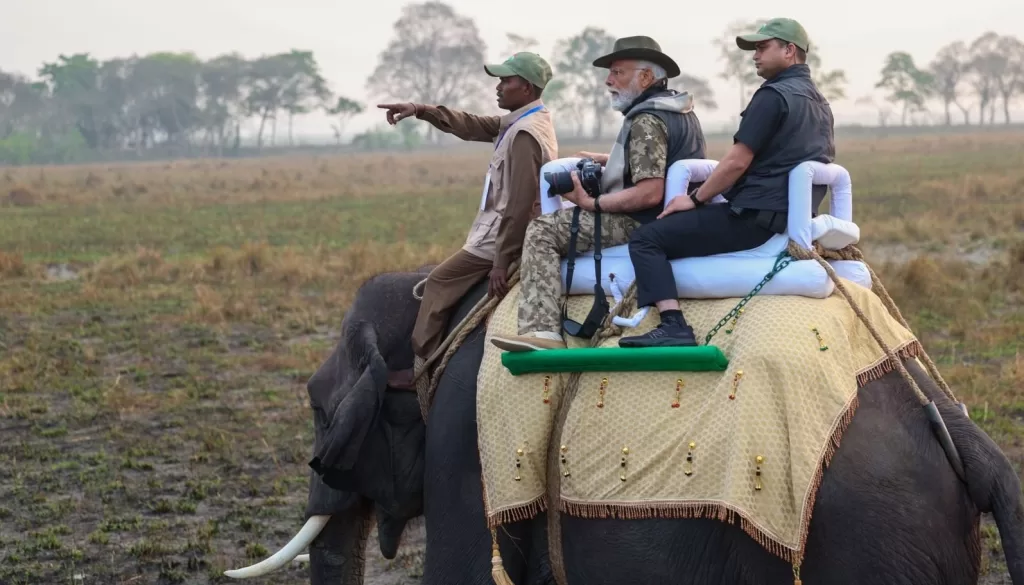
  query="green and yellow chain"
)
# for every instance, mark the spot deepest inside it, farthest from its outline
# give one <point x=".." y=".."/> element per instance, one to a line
<point x="781" y="262"/>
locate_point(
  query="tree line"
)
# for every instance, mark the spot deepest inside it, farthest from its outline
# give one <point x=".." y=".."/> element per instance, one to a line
<point x="976" y="77"/>
<point x="176" y="103"/>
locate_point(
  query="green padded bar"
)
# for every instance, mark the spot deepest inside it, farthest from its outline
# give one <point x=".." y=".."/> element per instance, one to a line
<point x="703" y="358"/>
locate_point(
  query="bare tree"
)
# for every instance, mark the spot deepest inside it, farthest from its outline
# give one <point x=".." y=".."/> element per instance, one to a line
<point x="698" y="87"/>
<point x="831" y="83"/>
<point x="1010" y="79"/>
<point x="883" y="109"/>
<point x="739" y="64"/>
<point x="559" y="97"/>
<point x="985" y="66"/>
<point x="949" y="69"/>
<point x="435" y="57"/>
<point x="516" y="43"/>
<point x="585" y="83"/>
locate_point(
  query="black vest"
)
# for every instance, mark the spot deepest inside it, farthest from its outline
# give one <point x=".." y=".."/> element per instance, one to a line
<point x="685" y="140"/>
<point x="806" y="134"/>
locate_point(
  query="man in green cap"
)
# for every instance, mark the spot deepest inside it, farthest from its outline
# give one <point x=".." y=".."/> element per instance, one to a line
<point x="787" y="122"/>
<point x="658" y="128"/>
<point x="524" y="140"/>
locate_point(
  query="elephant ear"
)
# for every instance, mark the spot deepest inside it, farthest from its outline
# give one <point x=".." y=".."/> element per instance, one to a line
<point x="355" y="408"/>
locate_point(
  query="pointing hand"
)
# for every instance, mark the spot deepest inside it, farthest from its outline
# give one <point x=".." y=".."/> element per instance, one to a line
<point x="398" y="112"/>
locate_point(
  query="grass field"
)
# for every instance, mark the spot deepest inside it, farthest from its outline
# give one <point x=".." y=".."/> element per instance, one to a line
<point x="158" y="323"/>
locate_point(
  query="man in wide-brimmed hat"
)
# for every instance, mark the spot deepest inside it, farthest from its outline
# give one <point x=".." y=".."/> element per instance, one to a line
<point x="524" y="140"/>
<point x="659" y="127"/>
<point x="787" y="122"/>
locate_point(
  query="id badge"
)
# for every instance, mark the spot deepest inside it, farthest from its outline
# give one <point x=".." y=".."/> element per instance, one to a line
<point x="487" y="189"/>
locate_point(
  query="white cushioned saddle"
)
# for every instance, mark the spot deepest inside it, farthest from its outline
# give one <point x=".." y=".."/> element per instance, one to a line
<point x="733" y="275"/>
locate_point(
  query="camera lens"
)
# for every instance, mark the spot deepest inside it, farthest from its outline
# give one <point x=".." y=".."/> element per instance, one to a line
<point x="561" y="183"/>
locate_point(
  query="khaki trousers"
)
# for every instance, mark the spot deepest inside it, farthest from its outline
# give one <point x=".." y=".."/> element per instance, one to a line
<point x="445" y="287"/>
<point x="546" y="244"/>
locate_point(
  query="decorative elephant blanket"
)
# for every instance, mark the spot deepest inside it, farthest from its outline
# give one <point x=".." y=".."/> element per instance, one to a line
<point x="748" y="444"/>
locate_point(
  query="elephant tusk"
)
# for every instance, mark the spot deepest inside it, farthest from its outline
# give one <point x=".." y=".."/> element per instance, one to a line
<point x="301" y="559"/>
<point x="288" y="552"/>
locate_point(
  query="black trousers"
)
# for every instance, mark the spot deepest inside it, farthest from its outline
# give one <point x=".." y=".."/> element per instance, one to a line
<point x="704" y="231"/>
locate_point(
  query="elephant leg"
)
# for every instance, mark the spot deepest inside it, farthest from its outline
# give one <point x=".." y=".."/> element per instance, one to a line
<point x="458" y="540"/>
<point x="538" y="562"/>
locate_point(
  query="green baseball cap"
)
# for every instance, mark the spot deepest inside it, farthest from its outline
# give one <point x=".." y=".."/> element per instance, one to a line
<point x="530" y="66"/>
<point x="785" y="29"/>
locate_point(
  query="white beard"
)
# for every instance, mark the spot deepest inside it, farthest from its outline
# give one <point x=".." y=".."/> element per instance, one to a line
<point x="621" y="100"/>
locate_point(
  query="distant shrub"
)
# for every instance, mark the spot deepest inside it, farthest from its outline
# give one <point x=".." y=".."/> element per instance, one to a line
<point x="22" y="197"/>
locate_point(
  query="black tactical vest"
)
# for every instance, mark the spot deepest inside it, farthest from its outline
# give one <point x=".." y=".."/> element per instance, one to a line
<point x="685" y="140"/>
<point x="806" y="134"/>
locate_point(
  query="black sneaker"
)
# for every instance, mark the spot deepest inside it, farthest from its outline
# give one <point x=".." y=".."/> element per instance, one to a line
<point x="664" y="335"/>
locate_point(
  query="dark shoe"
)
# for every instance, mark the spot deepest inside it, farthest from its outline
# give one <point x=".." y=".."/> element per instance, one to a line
<point x="669" y="334"/>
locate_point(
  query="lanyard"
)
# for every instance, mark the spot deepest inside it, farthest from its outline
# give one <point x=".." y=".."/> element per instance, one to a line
<point x="525" y="114"/>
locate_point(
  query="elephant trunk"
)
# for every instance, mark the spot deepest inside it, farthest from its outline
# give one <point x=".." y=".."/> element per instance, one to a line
<point x="1008" y="511"/>
<point x="991" y="480"/>
<point x="338" y="555"/>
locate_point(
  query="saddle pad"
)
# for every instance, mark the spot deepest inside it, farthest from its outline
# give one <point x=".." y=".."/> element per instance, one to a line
<point x="787" y="395"/>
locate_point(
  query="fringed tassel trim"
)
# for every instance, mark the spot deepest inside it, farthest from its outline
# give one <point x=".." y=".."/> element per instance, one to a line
<point x="837" y="436"/>
<point x="517" y="514"/>
<point x="908" y="350"/>
<point x="830" y="451"/>
<point x="721" y="512"/>
<point x="678" y="511"/>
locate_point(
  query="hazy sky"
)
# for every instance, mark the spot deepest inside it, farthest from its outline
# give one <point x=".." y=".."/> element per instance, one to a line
<point x="347" y="35"/>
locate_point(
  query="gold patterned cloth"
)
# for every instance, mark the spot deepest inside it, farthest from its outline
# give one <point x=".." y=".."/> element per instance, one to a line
<point x="686" y="444"/>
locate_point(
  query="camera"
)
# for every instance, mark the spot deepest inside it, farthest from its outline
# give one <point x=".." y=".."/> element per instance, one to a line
<point x="589" y="174"/>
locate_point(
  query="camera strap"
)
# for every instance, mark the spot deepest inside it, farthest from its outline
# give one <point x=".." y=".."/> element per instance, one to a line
<point x="600" y="308"/>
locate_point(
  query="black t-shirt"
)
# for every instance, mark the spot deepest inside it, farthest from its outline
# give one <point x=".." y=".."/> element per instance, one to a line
<point x="764" y="116"/>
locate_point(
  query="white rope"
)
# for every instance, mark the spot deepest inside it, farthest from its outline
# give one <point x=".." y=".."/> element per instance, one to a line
<point x="623" y="321"/>
<point x="419" y="287"/>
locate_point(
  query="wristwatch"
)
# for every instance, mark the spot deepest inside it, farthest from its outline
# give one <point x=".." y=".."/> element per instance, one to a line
<point x="597" y="204"/>
<point x="693" y="197"/>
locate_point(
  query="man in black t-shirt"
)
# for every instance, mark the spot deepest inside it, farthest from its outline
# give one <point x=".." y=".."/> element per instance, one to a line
<point x="787" y="122"/>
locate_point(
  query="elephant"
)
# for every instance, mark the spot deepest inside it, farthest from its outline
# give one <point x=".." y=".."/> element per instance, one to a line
<point x="890" y="508"/>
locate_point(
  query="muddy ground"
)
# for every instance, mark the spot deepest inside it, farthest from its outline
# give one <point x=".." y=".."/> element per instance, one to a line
<point x="141" y="451"/>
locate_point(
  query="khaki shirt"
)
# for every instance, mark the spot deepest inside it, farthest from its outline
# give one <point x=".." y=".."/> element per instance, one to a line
<point x="502" y="242"/>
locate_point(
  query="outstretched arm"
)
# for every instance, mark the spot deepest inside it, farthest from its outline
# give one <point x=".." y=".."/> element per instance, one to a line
<point x="464" y="125"/>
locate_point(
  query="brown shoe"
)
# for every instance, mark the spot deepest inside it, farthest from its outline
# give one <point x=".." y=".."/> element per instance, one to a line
<point x="527" y="343"/>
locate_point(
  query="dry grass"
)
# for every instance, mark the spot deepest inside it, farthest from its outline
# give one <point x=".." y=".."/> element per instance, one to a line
<point x="158" y="323"/>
